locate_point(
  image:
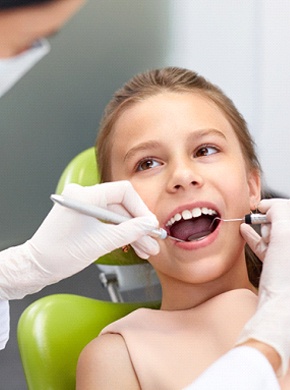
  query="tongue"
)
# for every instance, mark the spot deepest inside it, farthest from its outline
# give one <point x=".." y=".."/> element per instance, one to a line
<point x="192" y="229"/>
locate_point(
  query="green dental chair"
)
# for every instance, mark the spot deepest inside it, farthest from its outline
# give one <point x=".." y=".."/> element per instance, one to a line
<point x="53" y="330"/>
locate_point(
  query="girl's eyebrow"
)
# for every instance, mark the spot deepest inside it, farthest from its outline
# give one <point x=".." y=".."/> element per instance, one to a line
<point x="153" y="144"/>
<point x="196" y="135"/>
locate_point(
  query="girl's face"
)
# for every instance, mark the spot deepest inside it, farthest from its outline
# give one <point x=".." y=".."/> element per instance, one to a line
<point x="182" y="156"/>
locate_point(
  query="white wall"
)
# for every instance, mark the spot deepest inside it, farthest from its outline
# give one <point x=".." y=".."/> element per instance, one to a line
<point x="243" y="46"/>
<point x="274" y="97"/>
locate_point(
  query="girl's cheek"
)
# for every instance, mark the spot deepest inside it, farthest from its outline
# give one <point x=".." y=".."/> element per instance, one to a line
<point x="142" y="190"/>
<point x="148" y="194"/>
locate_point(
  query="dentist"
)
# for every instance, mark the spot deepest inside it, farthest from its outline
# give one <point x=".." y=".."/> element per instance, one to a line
<point x="66" y="242"/>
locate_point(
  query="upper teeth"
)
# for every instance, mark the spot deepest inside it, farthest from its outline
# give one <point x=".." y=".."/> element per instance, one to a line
<point x="188" y="214"/>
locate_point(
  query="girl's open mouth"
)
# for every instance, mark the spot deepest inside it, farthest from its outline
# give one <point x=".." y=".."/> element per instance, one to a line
<point x="193" y="225"/>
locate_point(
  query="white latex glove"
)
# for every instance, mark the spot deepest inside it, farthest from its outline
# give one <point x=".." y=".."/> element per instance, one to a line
<point x="271" y="322"/>
<point x="242" y="368"/>
<point x="68" y="241"/>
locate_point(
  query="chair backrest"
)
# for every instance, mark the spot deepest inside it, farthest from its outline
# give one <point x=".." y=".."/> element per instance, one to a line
<point x="53" y="330"/>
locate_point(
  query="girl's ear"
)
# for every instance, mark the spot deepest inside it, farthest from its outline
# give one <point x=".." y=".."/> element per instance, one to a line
<point x="254" y="184"/>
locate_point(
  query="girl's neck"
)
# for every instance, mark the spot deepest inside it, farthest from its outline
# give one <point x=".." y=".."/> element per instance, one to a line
<point x="178" y="295"/>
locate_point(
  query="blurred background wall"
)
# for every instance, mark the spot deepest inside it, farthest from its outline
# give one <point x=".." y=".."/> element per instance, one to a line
<point x="52" y="114"/>
<point x="243" y="46"/>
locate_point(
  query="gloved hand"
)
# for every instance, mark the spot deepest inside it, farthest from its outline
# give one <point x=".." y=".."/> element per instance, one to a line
<point x="271" y="322"/>
<point x="68" y="241"/>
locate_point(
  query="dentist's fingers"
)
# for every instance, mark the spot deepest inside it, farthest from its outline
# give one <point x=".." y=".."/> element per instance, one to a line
<point x="276" y="209"/>
<point x="146" y="247"/>
<point x="254" y="240"/>
<point x="265" y="232"/>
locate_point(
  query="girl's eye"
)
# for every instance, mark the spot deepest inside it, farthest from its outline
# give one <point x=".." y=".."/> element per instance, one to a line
<point x="205" y="151"/>
<point x="147" y="163"/>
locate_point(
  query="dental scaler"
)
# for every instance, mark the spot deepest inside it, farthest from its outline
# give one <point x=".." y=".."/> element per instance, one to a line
<point x="106" y="215"/>
<point x="250" y="219"/>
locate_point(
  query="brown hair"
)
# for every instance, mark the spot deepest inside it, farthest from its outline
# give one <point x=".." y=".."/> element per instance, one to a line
<point x="173" y="79"/>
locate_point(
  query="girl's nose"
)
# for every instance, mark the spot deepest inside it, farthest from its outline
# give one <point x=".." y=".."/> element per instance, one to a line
<point x="184" y="175"/>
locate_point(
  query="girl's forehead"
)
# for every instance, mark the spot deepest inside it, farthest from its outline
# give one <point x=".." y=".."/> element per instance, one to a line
<point x="169" y="110"/>
<point x="170" y="122"/>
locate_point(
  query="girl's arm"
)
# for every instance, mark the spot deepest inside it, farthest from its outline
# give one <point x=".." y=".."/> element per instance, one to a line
<point x="105" y="364"/>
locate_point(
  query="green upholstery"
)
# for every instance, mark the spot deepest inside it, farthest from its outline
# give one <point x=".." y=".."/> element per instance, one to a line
<point x="53" y="330"/>
<point x="81" y="170"/>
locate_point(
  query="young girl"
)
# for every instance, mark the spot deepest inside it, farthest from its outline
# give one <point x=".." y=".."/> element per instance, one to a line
<point x="187" y="151"/>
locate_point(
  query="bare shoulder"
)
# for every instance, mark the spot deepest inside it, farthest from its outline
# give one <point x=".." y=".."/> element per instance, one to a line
<point x="242" y="298"/>
<point x="243" y="293"/>
<point x="225" y="315"/>
<point x="105" y="364"/>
